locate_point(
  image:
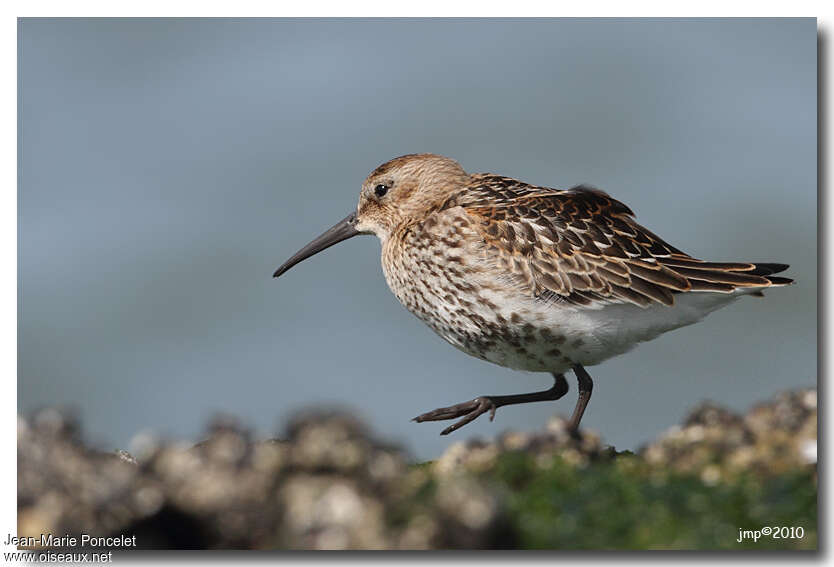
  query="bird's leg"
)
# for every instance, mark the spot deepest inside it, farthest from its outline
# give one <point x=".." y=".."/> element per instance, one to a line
<point x="472" y="409"/>
<point x="586" y="386"/>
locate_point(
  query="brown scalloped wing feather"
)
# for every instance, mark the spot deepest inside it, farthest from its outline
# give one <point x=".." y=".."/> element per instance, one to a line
<point x="582" y="246"/>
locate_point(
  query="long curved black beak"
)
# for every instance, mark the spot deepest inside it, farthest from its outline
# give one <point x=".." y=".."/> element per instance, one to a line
<point x="342" y="230"/>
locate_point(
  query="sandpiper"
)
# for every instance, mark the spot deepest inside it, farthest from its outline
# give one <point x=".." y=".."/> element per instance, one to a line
<point x="527" y="277"/>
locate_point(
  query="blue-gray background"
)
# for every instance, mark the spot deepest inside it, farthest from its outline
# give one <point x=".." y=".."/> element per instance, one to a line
<point x="169" y="166"/>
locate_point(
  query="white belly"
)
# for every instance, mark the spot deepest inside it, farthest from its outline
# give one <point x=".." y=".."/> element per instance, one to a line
<point x="562" y="336"/>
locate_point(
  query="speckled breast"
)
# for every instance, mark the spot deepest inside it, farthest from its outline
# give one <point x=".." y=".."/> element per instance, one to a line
<point x="440" y="272"/>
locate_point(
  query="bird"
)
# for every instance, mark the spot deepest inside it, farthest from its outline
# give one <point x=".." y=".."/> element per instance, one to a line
<point x="527" y="277"/>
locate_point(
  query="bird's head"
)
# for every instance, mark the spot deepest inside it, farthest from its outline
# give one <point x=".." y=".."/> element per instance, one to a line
<point x="404" y="190"/>
<point x="395" y="194"/>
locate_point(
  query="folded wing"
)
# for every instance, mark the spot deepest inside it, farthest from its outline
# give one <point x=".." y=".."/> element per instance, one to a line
<point x="581" y="246"/>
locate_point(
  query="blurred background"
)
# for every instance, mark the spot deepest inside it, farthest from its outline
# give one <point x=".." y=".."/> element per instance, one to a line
<point x="169" y="166"/>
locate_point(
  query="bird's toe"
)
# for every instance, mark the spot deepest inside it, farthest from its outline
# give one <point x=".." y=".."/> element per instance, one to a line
<point x="469" y="411"/>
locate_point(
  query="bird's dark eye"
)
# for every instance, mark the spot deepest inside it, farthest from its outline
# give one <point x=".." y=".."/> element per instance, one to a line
<point x="381" y="189"/>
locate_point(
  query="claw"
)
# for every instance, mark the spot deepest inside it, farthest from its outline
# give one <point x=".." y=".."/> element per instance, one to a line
<point x="469" y="411"/>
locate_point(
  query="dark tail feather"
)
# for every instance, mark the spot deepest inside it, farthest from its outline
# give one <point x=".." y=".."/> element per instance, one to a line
<point x="765" y="269"/>
<point x="751" y="268"/>
<point x="735" y="279"/>
<point x="726" y="277"/>
<point x="776" y="280"/>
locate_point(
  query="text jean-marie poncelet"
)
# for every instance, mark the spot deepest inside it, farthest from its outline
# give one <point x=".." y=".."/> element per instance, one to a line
<point x="84" y="540"/>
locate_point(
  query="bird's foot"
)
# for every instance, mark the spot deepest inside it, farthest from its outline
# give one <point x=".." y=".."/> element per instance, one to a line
<point x="468" y="410"/>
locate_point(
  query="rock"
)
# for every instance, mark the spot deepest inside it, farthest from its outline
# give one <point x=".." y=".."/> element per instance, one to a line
<point x="772" y="438"/>
<point x="555" y="440"/>
<point x="329" y="483"/>
<point x="64" y="487"/>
